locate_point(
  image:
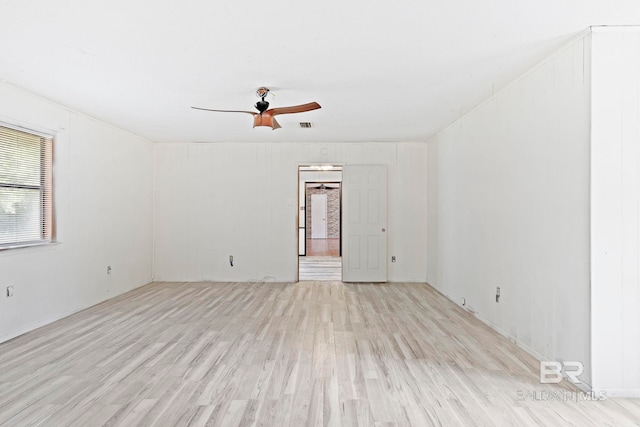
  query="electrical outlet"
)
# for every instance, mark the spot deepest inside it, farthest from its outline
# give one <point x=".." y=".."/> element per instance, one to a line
<point x="108" y="269"/>
<point x="498" y="294"/>
<point x="393" y="258"/>
<point x="9" y="291"/>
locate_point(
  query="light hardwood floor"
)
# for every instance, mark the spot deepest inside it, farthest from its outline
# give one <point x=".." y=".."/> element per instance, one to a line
<point x="320" y="268"/>
<point x="323" y="247"/>
<point x="273" y="354"/>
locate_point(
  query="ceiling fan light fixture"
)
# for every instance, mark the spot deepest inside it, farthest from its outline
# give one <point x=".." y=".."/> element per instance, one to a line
<point x="262" y="92"/>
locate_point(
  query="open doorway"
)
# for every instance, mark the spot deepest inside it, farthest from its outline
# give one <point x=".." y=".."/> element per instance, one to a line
<point x="319" y="223"/>
<point x="323" y="219"/>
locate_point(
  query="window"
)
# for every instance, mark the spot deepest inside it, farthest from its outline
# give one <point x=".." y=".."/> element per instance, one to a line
<point x="26" y="204"/>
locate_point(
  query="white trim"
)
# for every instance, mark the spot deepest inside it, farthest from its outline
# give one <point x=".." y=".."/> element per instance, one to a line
<point x="43" y="133"/>
<point x="19" y="245"/>
<point x="615" y="28"/>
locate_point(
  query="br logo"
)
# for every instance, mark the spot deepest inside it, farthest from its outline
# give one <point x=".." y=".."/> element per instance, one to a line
<point x="553" y="372"/>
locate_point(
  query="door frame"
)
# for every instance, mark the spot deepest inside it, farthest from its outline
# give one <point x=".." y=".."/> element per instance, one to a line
<point x="302" y="192"/>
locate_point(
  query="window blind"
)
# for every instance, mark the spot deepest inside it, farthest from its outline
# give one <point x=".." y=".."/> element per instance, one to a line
<point x="26" y="202"/>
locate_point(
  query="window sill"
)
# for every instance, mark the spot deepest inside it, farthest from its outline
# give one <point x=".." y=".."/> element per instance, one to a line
<point x="27" y="245"/>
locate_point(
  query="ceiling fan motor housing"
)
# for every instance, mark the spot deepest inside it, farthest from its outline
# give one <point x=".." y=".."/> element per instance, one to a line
<point x="262" y="106"/>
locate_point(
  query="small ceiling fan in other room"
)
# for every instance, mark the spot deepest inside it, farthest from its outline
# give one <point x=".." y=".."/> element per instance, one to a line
<point x="265" y="116"/>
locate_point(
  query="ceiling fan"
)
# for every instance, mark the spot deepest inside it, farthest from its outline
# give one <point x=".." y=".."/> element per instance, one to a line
<point x="266" y="117"/>
<point x="324" y="186"/>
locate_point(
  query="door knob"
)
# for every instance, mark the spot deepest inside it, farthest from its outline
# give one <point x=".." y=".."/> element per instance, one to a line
<point x="384" y="229"/>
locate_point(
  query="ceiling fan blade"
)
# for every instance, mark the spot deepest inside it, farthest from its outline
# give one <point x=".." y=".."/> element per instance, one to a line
<point x="295" y="109"/>
<point x="225" y="111"/>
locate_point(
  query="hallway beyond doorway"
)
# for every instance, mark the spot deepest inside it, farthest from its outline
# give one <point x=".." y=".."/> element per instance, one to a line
<point x="323" y="247"/>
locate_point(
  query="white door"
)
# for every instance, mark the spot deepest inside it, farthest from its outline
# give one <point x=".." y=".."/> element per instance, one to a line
<point x="318" y="216"/>
<point x="364" y="223"/>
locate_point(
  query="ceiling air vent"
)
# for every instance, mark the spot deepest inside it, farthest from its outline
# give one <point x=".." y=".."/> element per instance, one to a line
<point x="306" y="125"/>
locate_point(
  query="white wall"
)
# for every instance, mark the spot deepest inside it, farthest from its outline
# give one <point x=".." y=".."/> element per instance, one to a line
<point x="508" y="189"/>
<point x="615" y="201"/>
<point x="103" y="187"/>
<point x="216" y="200"/>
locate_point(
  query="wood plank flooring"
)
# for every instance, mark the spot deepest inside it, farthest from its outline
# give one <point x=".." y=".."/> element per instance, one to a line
<point x="282" y="354"/>
<point x="319" y="268"/>
<point x="323" y="247"/>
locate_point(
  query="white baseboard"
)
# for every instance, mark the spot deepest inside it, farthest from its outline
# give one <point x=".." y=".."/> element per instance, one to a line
<point x="44" y="322"/>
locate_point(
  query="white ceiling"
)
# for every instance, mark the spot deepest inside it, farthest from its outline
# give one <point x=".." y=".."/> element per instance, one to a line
<point x="382" y="71"/>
